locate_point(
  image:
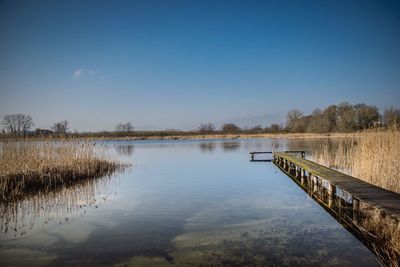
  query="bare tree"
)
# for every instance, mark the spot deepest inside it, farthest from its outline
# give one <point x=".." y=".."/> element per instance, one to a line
<point x="275" y="128"/>
<point x="366" y="115"/>
<point x="329" y="118"/>
<point x="26" y="123"/>
<point x="293" y="120"/>
<point x="316" y="124"/>
<point x="60" y="127"/>
<point x="346" y="120"/>
<point x="127" y="127"/>
<point x="206" y="128"/>
<point x="10" y="122"/>
<point x="391" y="116"/>
<point x="118" y="128"/>
<point x="124" y="127"/>
<point x="18" y="123"/>
<point x="230" y="128"/>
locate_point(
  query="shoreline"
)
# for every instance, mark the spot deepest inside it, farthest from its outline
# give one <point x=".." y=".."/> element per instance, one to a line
<point x="185" y="137"/>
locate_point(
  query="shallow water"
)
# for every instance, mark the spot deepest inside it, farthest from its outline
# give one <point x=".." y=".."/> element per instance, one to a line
<point x="184" y="203"/>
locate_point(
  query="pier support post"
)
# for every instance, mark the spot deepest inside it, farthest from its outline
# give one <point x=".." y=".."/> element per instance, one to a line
<point x="309" y="182"/>
<point x="331" y="194"/>
<point x="318" y="183"/>
<point x="356" y="209"/>
<point x="298" y="171"/>
<point x="292" y="170"/>
<point x="315" y="183"/>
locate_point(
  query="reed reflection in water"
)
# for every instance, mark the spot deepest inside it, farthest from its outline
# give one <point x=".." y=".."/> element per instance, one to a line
<point x="24" y="217"/>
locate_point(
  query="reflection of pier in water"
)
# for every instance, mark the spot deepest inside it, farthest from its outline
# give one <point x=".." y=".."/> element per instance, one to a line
<point x="375" y="225"/>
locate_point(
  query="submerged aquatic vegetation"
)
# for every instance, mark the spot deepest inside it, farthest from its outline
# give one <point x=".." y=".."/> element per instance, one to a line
<point x="32" y="167"/>
<point x="373" y="156"/>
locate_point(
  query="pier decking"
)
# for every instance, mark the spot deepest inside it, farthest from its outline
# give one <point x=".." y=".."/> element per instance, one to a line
<point x="370" y="213"/>
<point x="385" y="201"/>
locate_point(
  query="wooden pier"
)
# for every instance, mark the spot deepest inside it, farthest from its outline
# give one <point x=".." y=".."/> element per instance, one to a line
<point x="370" y="213"/>
<point x="387" y="202"/>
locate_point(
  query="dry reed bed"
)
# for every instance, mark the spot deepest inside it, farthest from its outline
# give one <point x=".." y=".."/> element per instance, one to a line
<point x="373" y="157"/>
<point x="31" y="167"/>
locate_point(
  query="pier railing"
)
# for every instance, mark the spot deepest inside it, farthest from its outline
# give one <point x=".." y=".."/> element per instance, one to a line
<point x="254" y="154"/>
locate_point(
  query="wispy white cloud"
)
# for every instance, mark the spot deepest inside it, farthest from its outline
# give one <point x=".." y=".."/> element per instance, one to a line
<point x="82" y="72"/>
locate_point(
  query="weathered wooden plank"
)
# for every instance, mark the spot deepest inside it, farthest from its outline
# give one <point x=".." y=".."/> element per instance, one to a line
<point x="382" y="199"/>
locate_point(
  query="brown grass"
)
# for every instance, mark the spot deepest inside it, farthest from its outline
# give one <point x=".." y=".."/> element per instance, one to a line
<point x="386" y="233"/>
<point x="30" y="167"/>
<point x="373" y="156"/>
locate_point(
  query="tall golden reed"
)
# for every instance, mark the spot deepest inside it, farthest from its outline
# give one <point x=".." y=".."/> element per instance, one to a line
<point x="372" y="156"/>
<point x="30" y="167"/>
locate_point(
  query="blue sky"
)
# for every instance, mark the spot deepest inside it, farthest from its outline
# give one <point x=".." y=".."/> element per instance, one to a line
<point x="176" y="64"/>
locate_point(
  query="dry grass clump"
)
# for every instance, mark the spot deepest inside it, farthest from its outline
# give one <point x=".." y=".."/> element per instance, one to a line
<point x="30" y="167"/>
<point x="387" y="235"/>
<point x="373" y="157"/>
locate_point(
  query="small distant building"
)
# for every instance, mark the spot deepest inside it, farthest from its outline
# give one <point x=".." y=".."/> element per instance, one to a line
<point x="43" y="132"/>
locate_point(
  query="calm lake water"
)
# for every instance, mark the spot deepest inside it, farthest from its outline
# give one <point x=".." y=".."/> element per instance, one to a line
<point x="183" y="203"/>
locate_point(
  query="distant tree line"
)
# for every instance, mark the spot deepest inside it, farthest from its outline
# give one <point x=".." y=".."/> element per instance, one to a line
<point x="21" y="124"/>
<point x="343" y="117"/>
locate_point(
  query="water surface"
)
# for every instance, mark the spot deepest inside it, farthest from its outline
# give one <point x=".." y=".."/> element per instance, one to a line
<point x="184" y="203"/>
